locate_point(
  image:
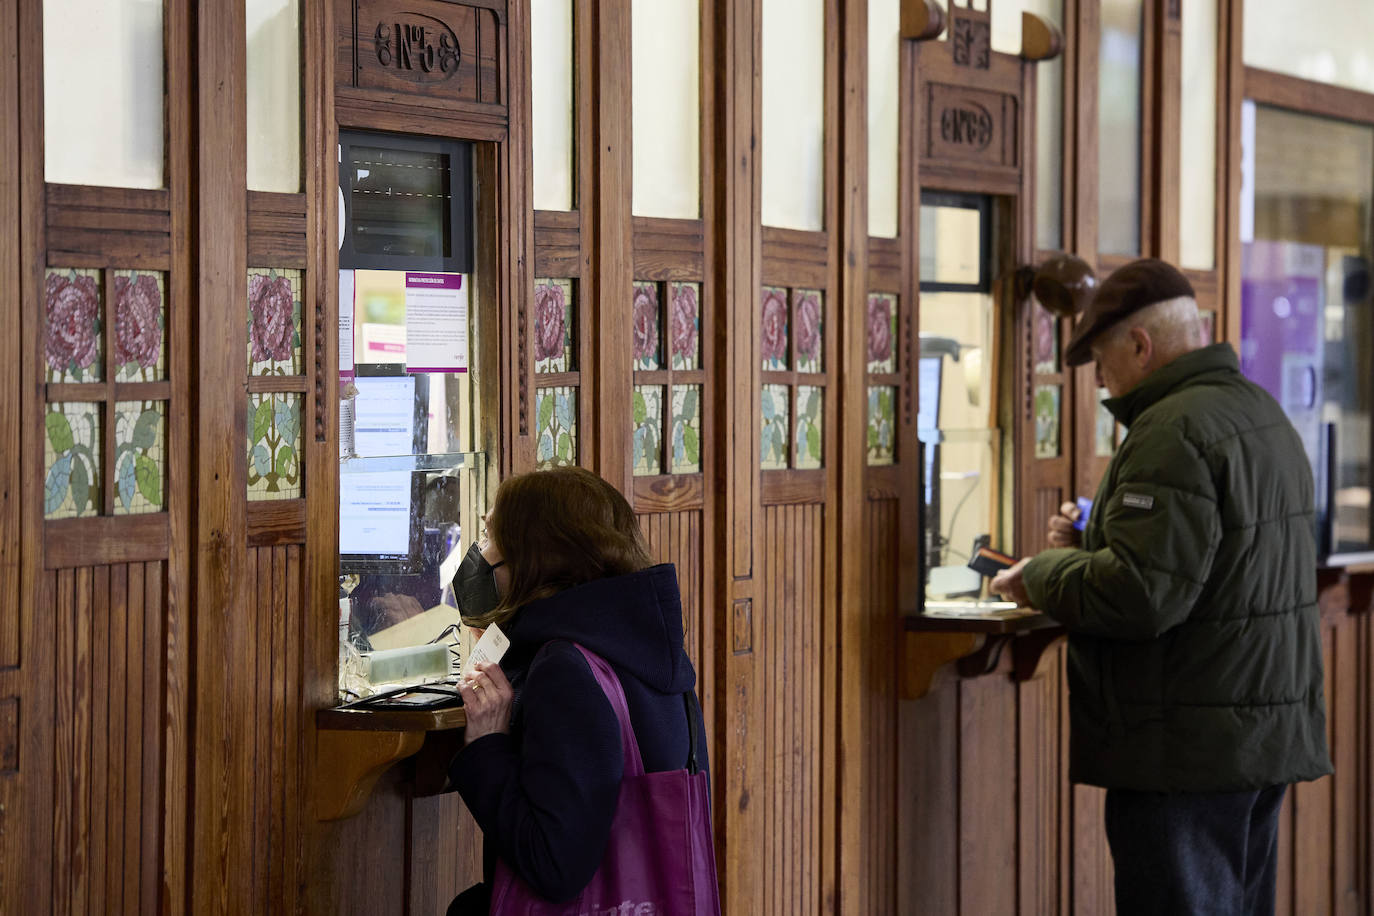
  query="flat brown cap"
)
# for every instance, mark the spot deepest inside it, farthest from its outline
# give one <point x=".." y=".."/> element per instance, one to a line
<point x="1129" y="289"/>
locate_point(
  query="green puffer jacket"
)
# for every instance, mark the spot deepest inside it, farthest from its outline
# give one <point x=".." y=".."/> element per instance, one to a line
<point x="1194" y="653"/>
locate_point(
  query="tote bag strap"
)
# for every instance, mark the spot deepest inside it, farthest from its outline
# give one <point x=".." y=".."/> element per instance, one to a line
<point x="610" y="685"/>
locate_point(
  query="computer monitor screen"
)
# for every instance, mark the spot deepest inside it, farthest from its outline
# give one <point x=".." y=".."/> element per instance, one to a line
<point x="379" y="510"/>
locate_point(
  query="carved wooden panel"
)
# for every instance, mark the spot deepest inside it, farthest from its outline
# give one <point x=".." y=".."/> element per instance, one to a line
<point x="676" y="537"/>
<point x="789" y="637"/>
<point x="970" y="39"/>
<point x="971" y="126"/>
<point x="879" y="751"/>
<point x="434" y="48"/>
<point x="108" y="732"/>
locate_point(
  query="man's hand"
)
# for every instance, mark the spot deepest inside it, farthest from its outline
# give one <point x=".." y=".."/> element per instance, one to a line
<point x="1062" y="532"/>
<point x="1008" y="584"/>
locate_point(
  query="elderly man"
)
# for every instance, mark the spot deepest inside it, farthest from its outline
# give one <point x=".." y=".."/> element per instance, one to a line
<point x="1195" y="668"/>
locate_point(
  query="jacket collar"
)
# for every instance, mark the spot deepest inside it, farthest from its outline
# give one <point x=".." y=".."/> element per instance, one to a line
<point x="1218" y="357"/>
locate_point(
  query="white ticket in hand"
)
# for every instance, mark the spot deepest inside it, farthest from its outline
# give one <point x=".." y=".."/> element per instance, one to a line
<point x="489" y="648"/>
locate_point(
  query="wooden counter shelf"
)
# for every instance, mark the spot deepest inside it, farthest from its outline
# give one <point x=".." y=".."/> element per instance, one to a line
<point x="975" y="641"/>
<point x="359" y="745"/>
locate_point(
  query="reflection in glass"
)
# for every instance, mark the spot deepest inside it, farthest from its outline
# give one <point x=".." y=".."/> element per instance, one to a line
<point x="1327" y="43"/>
<point x="1119" y="119"/>
<point x="953" y="245"/>
<point x="1307" y="335"/>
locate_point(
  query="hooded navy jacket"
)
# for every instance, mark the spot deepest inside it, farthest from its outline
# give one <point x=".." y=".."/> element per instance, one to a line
<point x="545" y="794"/>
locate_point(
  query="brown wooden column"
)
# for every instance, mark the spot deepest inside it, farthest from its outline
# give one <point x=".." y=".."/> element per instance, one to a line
<point x="224" y="657"/>
<point x="738" y="757"/>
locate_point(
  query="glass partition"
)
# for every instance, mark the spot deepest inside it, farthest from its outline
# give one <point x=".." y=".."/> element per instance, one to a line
<point x="666" y="61"/>
<point x="1197" y="185"/>
<point x="957" y="421"/>
<point x="884" y="89"/>
<point x="274" y="95"/>
<point x="414" y="443"/>
<point x="551" y="101"/>
<point x="793" y="136"/>
<point x="1327" y="42"/>
<point x="103" y="110"/>
<point x="1307" y="333"/>
<point x="1119" y="117"/>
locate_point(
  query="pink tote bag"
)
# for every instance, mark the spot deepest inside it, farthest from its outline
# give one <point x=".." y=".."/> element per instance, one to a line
<point x="659" y="860"/>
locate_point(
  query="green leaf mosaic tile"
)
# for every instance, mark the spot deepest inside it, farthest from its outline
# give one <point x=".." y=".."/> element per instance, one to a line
<point x="810" y="420"/>
<point x="646" y="404"/>
<point x="140" y="457"/>
<point x="71" y="460"/>
<point x="1047" y="421"/>
<point x="777" y="411"/>
<point x="274" y="446"/>
<point x="556" y="432"/>
<point x="686" y="429"/>
<point x="881" y="431"/>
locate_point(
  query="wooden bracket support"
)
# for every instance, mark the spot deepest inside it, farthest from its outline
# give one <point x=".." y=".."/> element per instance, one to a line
<point x="923" y="654"/>
<point x="355" y="760"/>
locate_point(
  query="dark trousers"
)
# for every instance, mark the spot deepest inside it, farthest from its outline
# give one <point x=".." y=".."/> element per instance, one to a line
<point x="1212" y="853"/>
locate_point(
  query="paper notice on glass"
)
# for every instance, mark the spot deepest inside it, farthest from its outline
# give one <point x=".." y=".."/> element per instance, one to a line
<point x="489" y="648"/>
<point x="346" y="288"/>
<point x="374" y="513"/>
<point x="436" y="322"/>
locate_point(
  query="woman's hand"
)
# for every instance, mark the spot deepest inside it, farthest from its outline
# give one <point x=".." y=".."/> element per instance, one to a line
<point x="487" y="697"/>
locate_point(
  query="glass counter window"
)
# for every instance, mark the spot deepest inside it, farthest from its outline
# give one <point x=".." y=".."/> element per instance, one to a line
<point x="961" y="435"/>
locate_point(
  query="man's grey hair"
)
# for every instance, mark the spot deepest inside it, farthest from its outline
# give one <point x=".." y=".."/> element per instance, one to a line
<point x="1173" y="326"/>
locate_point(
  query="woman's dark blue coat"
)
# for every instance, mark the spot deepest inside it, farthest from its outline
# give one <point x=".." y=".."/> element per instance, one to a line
<point x="544" y="795"/>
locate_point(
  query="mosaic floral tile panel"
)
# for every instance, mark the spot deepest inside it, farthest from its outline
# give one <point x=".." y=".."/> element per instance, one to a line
<point x="810" y="420"/>
<point x="1104" y="437"/>
<point x="140" y="317"/>
<point x="648" y="346"/>
<point x="556" y="442"/>
<point x="773" y="328"/>
<point x="881" y="429"/>
<point x="140" y="457"/>
<point x="1045" y="339"/>
<point x="71" y="460"/>
<point x="882" y="333"/>
<point x="1047" y="399"/>
<point x="73" y="339"/>
<point x="684" y="325"/>
<point x="274" y="321"/>
<point x="554" y="320"/>
<point x="777" y="412"/>
<point x="274" y="446"/>
<point x="808" y="328"/>
<point x="686" y="429"/>
<point x="647" y="407"/>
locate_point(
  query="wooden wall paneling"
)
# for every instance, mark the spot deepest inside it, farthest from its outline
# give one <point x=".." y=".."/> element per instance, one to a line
<point x="221" y="783"/>
<point x="863" y="705"/>
<point x="312" y="659"/>
<point x="1039" y="797"/>
<point x="11" y="427"/>
<point x="928" y="823"/>
<point x="44" y="842"/>
<point x="1093" y="889"/>
<point x="987" y="795"/>
<point x="613" y="241"/>
<point x="738" y="777"/>
<point x="1167" y="117"/>
<point x="877" y="853"/>
<point x="1312" y="814"/>
<point x="1346" y="750"/>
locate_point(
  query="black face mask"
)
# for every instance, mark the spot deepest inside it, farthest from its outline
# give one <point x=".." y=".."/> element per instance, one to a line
<point x="474" y="584"/>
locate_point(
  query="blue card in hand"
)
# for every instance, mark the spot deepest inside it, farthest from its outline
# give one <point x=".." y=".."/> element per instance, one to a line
<point x="1085" y="508"/>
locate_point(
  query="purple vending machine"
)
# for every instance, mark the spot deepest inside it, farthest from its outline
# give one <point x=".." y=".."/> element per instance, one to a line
<point x="1282" y="340"/>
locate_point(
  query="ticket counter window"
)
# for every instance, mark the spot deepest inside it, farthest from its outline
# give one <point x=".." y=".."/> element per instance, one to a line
<point x="961" y="435"/>
<point x="1307" y="314"/>
<point x="413" y="439"/>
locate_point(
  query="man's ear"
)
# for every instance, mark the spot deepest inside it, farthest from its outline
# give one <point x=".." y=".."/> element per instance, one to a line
<point x="1144" y="347"/>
